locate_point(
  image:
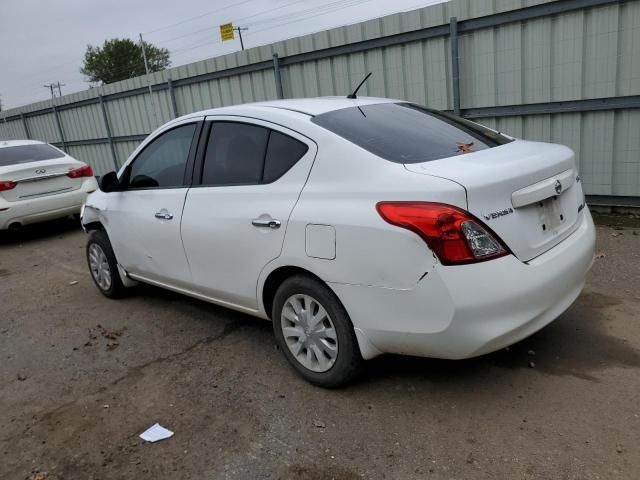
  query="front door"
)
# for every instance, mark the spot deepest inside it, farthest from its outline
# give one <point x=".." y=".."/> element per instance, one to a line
<point x="143" y="220"/>
<point x="234" y="221"/>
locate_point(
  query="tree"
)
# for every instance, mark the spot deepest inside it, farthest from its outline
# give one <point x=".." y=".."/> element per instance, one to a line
<point x="121" y="58"/>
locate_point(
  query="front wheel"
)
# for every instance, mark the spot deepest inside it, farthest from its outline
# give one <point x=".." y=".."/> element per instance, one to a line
<point x="315" y="333"/>
<point x="103" y="265"/>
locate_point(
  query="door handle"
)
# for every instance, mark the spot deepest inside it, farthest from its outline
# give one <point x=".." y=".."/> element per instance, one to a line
<point x="163" y="215"/>
<point x="265" y="222"/>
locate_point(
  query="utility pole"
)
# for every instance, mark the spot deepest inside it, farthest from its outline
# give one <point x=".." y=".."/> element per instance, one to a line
<point x="146" y="69"/>
<point x="240" y="29"/>
<point x="52" y="88"/>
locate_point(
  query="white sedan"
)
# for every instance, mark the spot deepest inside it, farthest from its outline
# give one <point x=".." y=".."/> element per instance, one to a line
<point x="358" y="226"/>
<point x="39" y="182"/>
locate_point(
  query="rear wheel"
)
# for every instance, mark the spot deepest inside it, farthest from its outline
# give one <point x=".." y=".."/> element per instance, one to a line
<point x="103" y="265"/>
<point x="315" y="333"/>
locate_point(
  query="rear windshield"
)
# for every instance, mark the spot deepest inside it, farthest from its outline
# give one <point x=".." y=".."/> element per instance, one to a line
<point x="28" y="153"/>
<point x="408" y="133"/>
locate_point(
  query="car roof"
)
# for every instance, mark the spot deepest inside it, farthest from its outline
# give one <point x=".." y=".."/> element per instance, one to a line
<point x="305" y="106"/>
<point x="17" y="143"/>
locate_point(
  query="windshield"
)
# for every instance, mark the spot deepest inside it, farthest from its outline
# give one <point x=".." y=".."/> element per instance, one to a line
<point x="408" y="133"/>
<point x="28" y="153"/>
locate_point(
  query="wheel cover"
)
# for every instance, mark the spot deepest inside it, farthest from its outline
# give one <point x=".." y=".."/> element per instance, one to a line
<point x="309" y="333"/>
<point x="99" y="267"/>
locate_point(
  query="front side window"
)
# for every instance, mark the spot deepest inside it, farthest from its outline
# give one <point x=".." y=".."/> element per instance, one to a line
<point x="162" y="163"/>
<point x="28" y="153"/>
<point x="408" y="133"/>
<point x="245" y="154"/>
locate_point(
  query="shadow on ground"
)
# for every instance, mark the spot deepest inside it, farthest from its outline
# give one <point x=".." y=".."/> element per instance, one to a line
<point x="576" y="344"/>
<point x="39" y="231"/>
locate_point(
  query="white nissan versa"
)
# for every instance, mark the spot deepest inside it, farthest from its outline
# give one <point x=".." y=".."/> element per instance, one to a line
<point x="358" y="226"/>
<point x="39" y="182"/>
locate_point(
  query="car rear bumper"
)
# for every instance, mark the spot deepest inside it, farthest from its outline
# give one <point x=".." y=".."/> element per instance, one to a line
<point x="45" y="208"/>
<point x="469" y="310"/>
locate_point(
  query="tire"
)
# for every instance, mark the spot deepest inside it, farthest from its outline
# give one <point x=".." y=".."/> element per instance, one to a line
<point x="99" y="242"/>
<point x="317" y="366"/>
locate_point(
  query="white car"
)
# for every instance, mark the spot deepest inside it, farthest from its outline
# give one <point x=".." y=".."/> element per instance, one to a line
<point x="358" y="226"/>
<point x="39" y="182"/>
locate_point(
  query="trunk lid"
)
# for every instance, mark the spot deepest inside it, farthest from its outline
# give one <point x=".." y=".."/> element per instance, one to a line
<point x="528" y="193"/>
<point x="40" y="179"/>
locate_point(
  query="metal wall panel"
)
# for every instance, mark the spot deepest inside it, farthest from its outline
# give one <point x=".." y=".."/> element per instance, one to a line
<point x="43" y="127"/>
<point x="12" y="130"/>
<point x="82" y="123"/>
<point x="98" y="156"/>
<point x="130" y="115"/>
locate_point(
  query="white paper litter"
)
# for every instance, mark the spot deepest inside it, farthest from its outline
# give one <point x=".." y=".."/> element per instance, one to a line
<point x="156" y="432"/>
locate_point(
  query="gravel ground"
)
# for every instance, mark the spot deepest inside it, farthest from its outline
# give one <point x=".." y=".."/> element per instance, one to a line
<point x="81" y="376"/>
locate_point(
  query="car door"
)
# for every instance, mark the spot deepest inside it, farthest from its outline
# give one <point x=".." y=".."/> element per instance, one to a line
<point x="144" y="216"/>
<point x="235" y="220"/>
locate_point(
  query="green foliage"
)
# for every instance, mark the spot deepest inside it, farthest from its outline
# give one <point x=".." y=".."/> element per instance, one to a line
<point x="119" y="59"/>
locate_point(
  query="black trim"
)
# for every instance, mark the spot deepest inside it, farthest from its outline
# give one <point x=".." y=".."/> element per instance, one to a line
<point x="264" y="155"/>
<point x="202" y="150"/>
<point x="191" y="159"/>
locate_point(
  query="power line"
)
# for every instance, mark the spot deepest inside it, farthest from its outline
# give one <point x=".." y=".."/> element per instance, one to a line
<point x="243" y="20"/>
<point x="181" y="22"/>
<point x="333" y="7"/>
<point x="352" y="4"/>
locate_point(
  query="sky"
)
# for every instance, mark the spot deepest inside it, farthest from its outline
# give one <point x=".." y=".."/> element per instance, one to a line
<point x="43" y="42"/>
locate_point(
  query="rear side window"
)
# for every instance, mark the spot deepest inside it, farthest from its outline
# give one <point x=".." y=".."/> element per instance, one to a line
<point x="245" y="154"/>
<point x="283" y="152"/>
<point x="407" y="133"/>
<point x="28" y="153"/>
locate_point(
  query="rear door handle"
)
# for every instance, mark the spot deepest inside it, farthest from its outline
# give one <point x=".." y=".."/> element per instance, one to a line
<point x="265" y="222"/>
<point x="164" y="214"/>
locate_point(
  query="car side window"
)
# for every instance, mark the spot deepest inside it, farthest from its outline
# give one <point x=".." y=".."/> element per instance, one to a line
<point x="282" y="154"/>
<point x="162" y="163"/>
<point x="244" y="154"/>
<point x="235" y="154"/>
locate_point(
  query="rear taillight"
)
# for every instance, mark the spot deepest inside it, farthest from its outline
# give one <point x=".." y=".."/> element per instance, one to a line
<point x="454" y="235"/>
<point x="84" y="171"/>
<point x="7" y="185"/>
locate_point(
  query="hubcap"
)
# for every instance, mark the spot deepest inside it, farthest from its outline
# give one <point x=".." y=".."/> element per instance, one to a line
<point x="309" y="333"/>
<point x="99" y="266"/>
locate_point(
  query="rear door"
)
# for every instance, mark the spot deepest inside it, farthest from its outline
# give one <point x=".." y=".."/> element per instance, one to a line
<point x="234" y="222"/>
<point x="143" y="220"/>
<point x="38" y="169"/>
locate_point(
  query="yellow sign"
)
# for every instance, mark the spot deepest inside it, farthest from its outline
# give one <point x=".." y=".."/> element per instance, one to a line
<point x="226" y="31"/>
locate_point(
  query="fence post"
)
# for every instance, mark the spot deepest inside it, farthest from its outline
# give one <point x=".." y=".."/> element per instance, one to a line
<point x="25" y="126"/>
<point x="107" y="128"/>
<point x="455" y="66"/>
<point x="58" y="124"/>
<point x="172" y="96"/>
<point x="278" y="78"/>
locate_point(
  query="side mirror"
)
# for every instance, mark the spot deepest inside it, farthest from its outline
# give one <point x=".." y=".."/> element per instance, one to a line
<point x="109" y="182"/>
